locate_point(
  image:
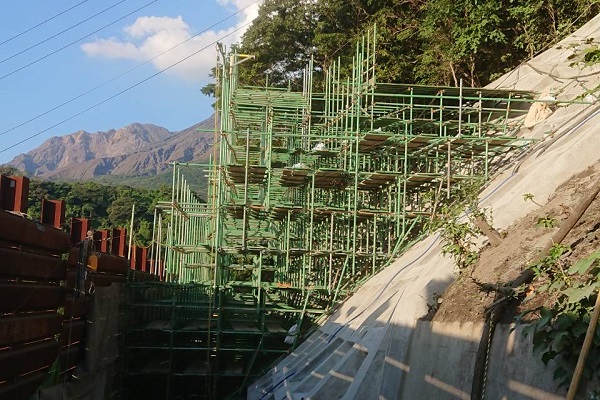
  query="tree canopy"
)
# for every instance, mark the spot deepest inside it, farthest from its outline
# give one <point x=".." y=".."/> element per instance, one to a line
<point x="106" y="206"/>
<point x="419" y="41"/>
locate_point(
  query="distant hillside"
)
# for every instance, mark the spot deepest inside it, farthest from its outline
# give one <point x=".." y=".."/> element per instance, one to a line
<point x="137" y="150"/>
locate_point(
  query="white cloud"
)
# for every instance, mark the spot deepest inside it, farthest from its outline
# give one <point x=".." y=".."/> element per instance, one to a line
<point x="150" y="36"/>
<point x="145" y="26"/>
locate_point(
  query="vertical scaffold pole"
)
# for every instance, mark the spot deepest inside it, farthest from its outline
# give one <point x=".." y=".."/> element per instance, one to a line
<point x="245" y="210"/>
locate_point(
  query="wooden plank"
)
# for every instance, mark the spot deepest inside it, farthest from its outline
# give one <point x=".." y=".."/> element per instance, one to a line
<point x="28" y="328"/>
<point x="489" y="231"/>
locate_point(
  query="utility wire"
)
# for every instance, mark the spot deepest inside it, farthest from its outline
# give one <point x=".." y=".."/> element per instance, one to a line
<point x="61" y="32"/>
<point x="42" y="23"/>
<point x="124" y="90"/>
<point x="124" y="73"/>
<point x="75" y="41"/>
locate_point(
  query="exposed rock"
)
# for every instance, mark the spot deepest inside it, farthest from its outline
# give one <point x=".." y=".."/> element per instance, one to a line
<point x="136" y="149"/>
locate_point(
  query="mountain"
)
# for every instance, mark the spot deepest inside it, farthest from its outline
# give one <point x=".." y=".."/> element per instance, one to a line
<point x="134" y="150"/>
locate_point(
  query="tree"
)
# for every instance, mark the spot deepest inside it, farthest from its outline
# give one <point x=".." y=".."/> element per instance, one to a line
<point x="538" y="23"/>
<point x="462" y="40"/>
<point x="119" y="212"/>
<point x="107" y="206"/>
<point x="8" y="170"/>
<point x="89" y="200"/>
<point x="281" y="39"/>
<point x="418" y="41"/>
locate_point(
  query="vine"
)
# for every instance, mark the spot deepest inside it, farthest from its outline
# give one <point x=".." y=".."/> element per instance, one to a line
<point x="459" y="237"/>
<point x="458" y="243"/>
<point x="559" y="332"/>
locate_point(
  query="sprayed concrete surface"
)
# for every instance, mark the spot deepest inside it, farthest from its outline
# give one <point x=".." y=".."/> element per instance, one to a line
<point x="375" y="346"/>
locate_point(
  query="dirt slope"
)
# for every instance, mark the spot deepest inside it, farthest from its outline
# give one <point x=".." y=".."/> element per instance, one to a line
<point x="465" y="301"/>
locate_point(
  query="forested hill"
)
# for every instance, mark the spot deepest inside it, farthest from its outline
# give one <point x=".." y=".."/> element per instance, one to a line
<point x="419" y="41"/>
<point x="106" y="206"/>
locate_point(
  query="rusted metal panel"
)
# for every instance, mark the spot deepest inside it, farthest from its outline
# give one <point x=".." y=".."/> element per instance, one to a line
<point x="139" y="276"/>
<point x="79" y="229"/>
<point x="139" y="258"/>
<point x="20" y="297"/>
<point x="142" y="259"/>
<point x="72" y="278"/>
<point x="112" y="264"/>
<point x="20" y="231"/>
<point x="70" y="356"/>
<point x="73" y="331"/>
<point x="53" y="212"/>
<point x="101" y="238"/>
<point x="24" y="388"/>
<point x="117" y="243"/>
<point x="103" y="280"/>
<point x="14" y="191"/>
<point x="100" y="279"/>
<point x="19" y="361"/>
<point x="32" y="266"/>
<point x="106" y="262"/>
<point x="73" y="257"/>
<point x="75" y="307"/>
<point x="133" y="259"/>
<point x="70" y="282"/>
<point x="28" y="328"/>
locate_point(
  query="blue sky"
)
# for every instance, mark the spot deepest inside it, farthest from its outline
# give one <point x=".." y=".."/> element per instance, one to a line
<point x="172" y="99"/>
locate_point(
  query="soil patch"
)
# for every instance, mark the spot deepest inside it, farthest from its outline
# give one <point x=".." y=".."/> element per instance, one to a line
<point x="466" y="301"/>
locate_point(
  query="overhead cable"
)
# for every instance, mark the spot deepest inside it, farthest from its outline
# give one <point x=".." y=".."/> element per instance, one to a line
<point x="61" y="32"/>
<point x="42" y="23"/>
<point x="124" y="90"/>
<point x="75" y="41"/>
<point x="124" y="73"/>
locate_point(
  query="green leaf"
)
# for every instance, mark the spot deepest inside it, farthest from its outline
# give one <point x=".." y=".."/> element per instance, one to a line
<point x="558" y="342"/>
<point x="557" y="285"/>
<point x="545" y="317"/>
<point x="540" y="349"/>
<point x="547" y="356"/>
<point x="543" y="287"/>
<point x="581" y="266"/>
<point x="579" y="328"/>
<point x="576" y="294"/>
<point x="595" y="254"/>
<point x="564" y="321"/>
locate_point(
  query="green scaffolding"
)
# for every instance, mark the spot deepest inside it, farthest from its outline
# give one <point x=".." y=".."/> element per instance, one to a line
<point x="310" y="194"/>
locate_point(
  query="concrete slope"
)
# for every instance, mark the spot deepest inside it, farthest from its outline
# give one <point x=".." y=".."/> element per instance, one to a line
<point x="375" y="346"/>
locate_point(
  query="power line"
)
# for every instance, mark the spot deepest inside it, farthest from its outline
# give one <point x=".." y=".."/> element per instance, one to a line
<point x="124" y="90"/>
<point x="42" y="23"/>
<point x="126" y="72"/>
<point x="61" y="32"/>
<point x="75" y="41"/>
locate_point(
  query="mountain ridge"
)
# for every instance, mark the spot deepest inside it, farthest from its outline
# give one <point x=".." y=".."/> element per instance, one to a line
<point x="133" y="150"/>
